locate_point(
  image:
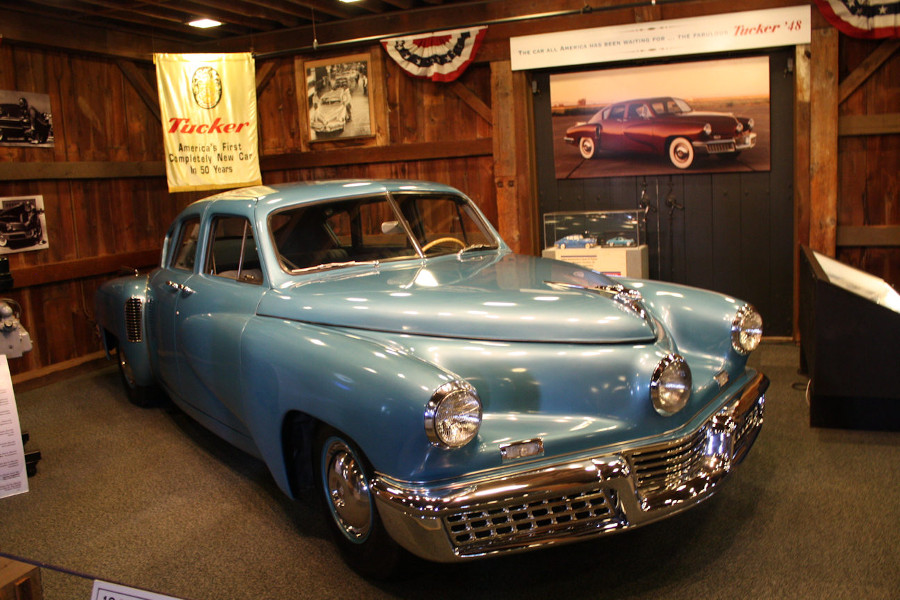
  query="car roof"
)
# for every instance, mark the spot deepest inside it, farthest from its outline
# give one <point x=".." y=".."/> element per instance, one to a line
<point x="276" y="196"/>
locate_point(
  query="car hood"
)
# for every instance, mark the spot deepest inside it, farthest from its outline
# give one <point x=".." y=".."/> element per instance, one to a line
<point x="494" y="296"/>
<point x="329" y="112"/>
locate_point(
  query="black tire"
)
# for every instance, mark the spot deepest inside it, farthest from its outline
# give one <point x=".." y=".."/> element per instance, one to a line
<point x="145" y="396"/>
<point x="343" y="480"/>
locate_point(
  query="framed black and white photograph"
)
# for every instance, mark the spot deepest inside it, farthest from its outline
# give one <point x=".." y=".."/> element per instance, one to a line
<point x="692" y="117"/>
<point x="22" y="224"/>
<point x="338" y="100"/>
<point x="25" y="119"/>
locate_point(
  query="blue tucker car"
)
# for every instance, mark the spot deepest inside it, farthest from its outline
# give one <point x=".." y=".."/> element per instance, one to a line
<point x="376" y="343"/>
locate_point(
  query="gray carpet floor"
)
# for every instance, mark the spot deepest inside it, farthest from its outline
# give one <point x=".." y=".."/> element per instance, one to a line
<point x="146" y="498"/>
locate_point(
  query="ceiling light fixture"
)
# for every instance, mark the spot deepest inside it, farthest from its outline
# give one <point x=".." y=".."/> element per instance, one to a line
<point x="204" y="23"/>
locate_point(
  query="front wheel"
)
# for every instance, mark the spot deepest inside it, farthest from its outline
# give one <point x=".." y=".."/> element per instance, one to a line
<point x="587" y="147"/>
<point x="344" y="481"/>
<point x="681" y="152"/>
<point x="144" y="396"/>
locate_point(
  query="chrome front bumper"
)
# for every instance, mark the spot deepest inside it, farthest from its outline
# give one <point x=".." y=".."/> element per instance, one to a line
<point x="727" y="146"/>
<point x="575" y="500"/>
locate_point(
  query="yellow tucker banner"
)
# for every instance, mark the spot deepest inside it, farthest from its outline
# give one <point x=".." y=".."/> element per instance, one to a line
<point x="208" y="110"/>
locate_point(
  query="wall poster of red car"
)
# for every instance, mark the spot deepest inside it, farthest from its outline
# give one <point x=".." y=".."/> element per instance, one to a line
<point x="25" y="119"/>
<point x="22" y="224"/>
<point x="679" y="118"/>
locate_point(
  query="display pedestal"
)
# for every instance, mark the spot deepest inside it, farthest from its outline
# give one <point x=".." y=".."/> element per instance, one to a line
<point x="633" y="261"/>
<point x="850" y="341"/>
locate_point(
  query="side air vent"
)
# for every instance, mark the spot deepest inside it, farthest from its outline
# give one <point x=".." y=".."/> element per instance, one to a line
<point x="134" y="330"/>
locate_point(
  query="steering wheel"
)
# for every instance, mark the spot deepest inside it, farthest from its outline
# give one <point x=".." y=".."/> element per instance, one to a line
<point x="434" y="243"/>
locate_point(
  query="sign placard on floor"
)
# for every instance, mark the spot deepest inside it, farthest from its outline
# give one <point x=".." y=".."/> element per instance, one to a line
<point x="13" y="473"/>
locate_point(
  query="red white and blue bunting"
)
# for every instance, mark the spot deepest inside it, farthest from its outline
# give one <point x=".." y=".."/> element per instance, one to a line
<point x="439" y="56"/>
<point x="872" y="19"/>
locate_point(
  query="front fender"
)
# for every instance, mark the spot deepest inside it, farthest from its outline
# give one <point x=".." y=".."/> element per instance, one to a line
<point x="119" y="311"/>
<point x="373" y="392"/>
<point x="698" y="320"/>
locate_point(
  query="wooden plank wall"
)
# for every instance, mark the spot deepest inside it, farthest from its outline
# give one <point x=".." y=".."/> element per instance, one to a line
<point x="105" y="192"/>
<point x="868" y="210"/>
<point x="99" y="119"/>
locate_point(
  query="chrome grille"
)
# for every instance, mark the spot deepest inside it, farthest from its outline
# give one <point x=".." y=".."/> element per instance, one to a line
<point x="715" y="147"/>
<point x="134" y="330"/>
<point x="665" y="467"/>
<point x="479" y="528"/>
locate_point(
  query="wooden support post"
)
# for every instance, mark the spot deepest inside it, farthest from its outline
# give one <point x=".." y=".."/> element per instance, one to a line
<point x="823" y="167"/>
<point x="514" y="184"/>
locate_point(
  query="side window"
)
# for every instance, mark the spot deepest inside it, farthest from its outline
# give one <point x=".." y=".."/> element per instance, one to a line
<point x="232" y="253"/>
<point x="186" y="248"/>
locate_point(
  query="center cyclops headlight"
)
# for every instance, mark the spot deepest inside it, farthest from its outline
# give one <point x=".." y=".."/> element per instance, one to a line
<point x="453" y="415"/>
<point x="670" y="385"/>
<point x="746" y="330"/>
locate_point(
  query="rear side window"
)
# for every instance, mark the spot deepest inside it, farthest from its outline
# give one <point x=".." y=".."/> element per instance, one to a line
<point x="186" y="248"/>
<point x="233" y="252"/>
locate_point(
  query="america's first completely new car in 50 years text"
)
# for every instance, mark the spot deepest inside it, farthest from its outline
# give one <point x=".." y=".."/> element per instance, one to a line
<point x="378" y="343"/>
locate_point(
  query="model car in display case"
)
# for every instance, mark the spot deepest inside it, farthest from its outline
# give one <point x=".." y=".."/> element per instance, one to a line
<point x="379" y="343"/>
<point x="664" y="126"/>
<point x="609" y="241"/>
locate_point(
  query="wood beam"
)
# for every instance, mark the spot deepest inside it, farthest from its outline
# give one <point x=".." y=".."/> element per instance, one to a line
<point x="79" y="170"/>
<point x="867" y="236"/>
<point x="81" y="268"/>
<point x="45" y="31"/>
<point x="148" y="93"/>
<point x="865" y="69"/>
<point x="44" y="171"/>
<point x="869" y="124"/>
<point x="378" y="154"/>
<point x="823" y="165"/>
<point x="802" y="91"/>
<point x="473" y="101"/>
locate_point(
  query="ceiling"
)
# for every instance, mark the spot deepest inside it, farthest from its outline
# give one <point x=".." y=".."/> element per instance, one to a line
<point x="167" y="19"/>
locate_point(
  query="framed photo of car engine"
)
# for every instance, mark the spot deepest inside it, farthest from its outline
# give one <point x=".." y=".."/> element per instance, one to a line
<point x="709" y="116"/>
<point x="338" y="103"/>
<point x="22" y="224"/>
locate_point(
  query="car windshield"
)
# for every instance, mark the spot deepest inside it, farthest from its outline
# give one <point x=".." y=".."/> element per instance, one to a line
<point x="374" y="229"/>
<point x="670" y="106"/>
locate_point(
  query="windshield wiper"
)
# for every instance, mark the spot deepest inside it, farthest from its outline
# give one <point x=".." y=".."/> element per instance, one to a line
<point x="334" y="265"/>
<point x="472" y="247"/>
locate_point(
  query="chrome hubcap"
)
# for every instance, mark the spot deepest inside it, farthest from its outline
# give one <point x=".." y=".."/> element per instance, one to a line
<point x="348" y="492"/>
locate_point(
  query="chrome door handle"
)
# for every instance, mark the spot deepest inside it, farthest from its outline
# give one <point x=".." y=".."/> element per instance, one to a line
<point x="180" y="287"/>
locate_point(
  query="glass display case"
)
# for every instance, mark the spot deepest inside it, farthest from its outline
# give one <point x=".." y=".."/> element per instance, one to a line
<point x="603" y="228"/>
<point x="609" y="241"/>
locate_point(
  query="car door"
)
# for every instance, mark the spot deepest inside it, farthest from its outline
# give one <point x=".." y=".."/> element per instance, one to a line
<point x="613" y="125"/>
<point x="219" y="299"/>
<point x="167" y="286"/>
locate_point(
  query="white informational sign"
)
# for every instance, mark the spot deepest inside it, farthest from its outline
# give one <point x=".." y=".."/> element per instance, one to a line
<point x="697" y="35"/>
<point x="13" y="473"/>
<point x="113" y="591"/>
<point x="208" y="110"/>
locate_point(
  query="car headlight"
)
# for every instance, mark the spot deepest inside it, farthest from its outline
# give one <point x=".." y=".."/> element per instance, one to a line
<point x="740" y="127"/>
<point x="707" y="129"/>
<point x="670" y="385"/>
<point x="750" y="123"/>
<point x="746" y="330"/>
<point x="453" y="415"/>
